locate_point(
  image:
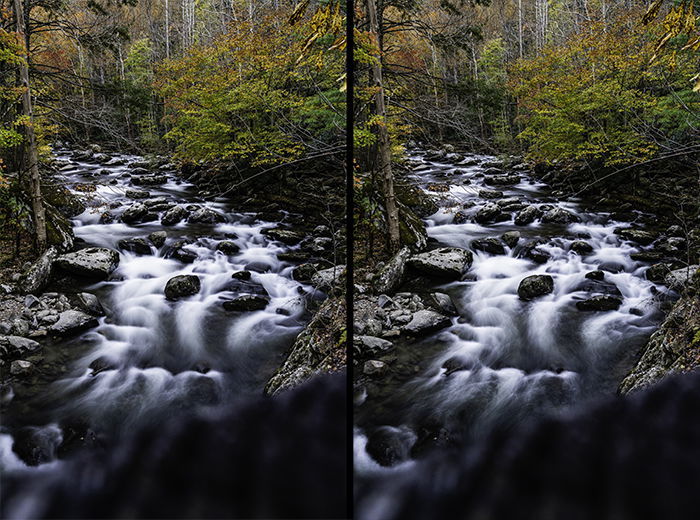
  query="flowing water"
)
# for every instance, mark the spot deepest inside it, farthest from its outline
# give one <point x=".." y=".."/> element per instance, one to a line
<point x="153" y="358"/>
<point x="504" y="361"/>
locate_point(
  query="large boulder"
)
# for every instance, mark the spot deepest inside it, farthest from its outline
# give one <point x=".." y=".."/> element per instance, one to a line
<point x="447" y="262"/>
<point x="391" y="276"/>
<point x="37" y="276"/>
<point x="426" y="321"/>
<point x="366" y="346"/>
<point x="182" y="286"/>
<point x="71" y="322"/>
<point x="535" y="286"/>
<point x="94" y="262"/>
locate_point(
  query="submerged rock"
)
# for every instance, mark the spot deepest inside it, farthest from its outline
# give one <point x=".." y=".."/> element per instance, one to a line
<point x="182" y="286"/>
<point x="600" y="303"/>
<point x="94" y="262"/>
<point x="535" y="286"/>
<point x="246" y="303"/>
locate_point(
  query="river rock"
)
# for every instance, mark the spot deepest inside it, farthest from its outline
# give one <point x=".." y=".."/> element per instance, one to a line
<point x="447" y="262"/>
<point x="582" y="248"/>
<point x="228" y="247"/>
<point x="12" y="347"/>
<point x="206" y="216"/>
<point x="637" y="236"/>
<point x="679" y="278"/>
<point x="502" y="180"/>
<point x="487" y="213"/>
<point x="326" y="279"/>
<point x="94" y="262"/>
<point x="596" y="275"/>
<point x="286" y="236"/>
<point x="559" y="216"/>
<point x="391" y="275"/>
<point x="149" y="180"/>
<point x="241" y="275"/>
<point x="534" y="253"/>
<point x="535" y="286"/>
<point x="158" y="238"/>
<point x="246" y="303"/>
<point x="174" y="215"/>
<point x="527" y="216"/>
<point x="181" y="286"/>
<point x="184" y="255"/>
<point x="599" y="303"/>
<point x="374" y="368"/>
<point x="135" y="245"/>
<point x="137" y="194"/>
<point x="490" y="194"/>
<point x="366" y="346"/>
<point x="37" y="276"/>
<point x="135" y="213"/>
<point x="72" y="322"/>
<point x="443" y="303"/>
<point x="511" y="238"/>
<point x="426" y="321"/>
<point x="21" y="368"/>
<point x="89" y="303"/>
<point x="489" y="245"/>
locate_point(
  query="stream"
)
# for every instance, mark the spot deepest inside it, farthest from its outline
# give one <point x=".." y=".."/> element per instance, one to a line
<point x="504" y="361"/>
<point x="149" y="357"/>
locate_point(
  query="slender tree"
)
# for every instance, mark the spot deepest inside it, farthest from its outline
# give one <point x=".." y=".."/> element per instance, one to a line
<point x="384" y="145"/>
<point x="32" y="157"/>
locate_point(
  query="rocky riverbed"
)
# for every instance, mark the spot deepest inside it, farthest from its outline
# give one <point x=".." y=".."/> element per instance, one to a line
<point x="158" y="297"/>
<point x="521" y="303"/>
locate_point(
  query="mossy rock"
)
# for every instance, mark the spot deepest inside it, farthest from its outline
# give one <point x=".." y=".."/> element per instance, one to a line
<point x="411" y="229"/>
<point x="59" y="231"/>
<point x="62" y="200"/>
<point x="422" y="204"/>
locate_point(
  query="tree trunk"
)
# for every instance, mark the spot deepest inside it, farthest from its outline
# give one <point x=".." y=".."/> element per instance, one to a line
<point x="31" y="151"/>
<point x="384" y="148"/>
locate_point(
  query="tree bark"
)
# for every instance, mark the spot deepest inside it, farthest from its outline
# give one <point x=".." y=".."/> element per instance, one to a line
<point x="31" y="150"/>
<point x="384" y="146"/>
